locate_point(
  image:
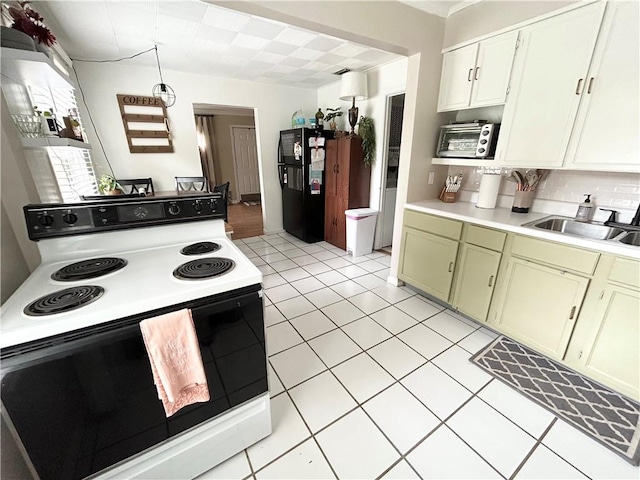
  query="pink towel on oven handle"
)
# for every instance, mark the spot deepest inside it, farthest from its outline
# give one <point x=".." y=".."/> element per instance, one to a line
<point x="176" y="363"/>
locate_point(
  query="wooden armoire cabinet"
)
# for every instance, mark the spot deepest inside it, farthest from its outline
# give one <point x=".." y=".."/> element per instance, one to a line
<point x="347" y="181"/>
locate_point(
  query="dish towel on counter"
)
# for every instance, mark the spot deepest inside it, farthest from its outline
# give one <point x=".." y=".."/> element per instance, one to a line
<point x="175" y="359"/>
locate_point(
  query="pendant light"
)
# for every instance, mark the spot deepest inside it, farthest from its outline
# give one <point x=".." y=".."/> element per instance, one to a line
<point x="162" y="90"/>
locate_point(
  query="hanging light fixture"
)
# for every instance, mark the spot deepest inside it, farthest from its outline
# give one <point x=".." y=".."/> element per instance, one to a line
<point x="162" y="90"/>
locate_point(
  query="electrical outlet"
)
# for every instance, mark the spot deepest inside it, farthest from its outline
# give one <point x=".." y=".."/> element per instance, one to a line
<point x="431" y="177"/>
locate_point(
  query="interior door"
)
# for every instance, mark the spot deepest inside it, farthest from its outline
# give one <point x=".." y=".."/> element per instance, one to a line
<point x="245" y="159"/>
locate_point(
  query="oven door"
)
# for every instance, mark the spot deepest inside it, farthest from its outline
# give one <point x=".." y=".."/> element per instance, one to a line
<point x="86" y="401"/>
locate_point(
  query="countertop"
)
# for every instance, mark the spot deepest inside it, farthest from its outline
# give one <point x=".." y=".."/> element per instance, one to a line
<point x="505" y="219"/>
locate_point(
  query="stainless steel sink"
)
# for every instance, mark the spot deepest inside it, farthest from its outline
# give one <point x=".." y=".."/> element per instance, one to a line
<point x="631" y="238"/>
<point x="569" y="226"/>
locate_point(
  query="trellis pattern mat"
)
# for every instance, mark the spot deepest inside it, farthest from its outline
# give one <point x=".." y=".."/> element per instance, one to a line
<point x="606" y="416"/>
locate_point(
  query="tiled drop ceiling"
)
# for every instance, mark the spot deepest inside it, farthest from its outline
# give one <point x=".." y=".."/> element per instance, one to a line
<point x="198" y="37"/>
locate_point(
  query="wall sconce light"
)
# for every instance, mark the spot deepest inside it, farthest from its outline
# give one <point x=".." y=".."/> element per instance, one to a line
<point x="162" y="90"/>
<point x="353" y="86"/>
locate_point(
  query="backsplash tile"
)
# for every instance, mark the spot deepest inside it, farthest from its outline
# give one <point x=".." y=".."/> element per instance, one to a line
<point x="567" y="187"/>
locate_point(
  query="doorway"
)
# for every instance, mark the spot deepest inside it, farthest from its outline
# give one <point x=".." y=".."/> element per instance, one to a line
<point x="228" y="153"/>
<point x="389" y="190"/>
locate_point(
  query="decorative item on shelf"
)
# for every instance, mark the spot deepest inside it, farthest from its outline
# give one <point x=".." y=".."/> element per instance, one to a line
<point x="367" y="132"/>
<point x="319" y="117"/>
<point x="29" y="126"/>
<point x="297" y="118"/>
<point x="49" y="122"/>
<point x="332" y="115"/>
<point x="30" y="22"/>
<point x="162" y="90"/>
<point x="72" y="126"/>
<point x="450" y="190"/>
<point x="353" y="86"/>
<point x="525" y="188"/>
<point x="108" y="185"/>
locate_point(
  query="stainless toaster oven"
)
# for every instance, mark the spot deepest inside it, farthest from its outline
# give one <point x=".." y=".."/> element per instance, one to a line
<point x="468" y="140"/>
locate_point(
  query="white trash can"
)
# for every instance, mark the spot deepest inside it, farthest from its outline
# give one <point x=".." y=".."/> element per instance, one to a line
<point x="361" y="225"/>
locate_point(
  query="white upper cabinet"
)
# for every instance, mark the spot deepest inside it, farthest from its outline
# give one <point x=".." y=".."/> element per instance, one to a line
<point x="477" y="75"/>
<point x="607" y="132"/>
<point x="549" y="77"/>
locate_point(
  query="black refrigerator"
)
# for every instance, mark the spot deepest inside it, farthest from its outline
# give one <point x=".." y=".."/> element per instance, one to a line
<point x="302" y="181"/>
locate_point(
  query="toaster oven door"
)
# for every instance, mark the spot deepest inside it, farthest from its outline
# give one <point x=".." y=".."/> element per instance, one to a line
<point x="461" y="142"/>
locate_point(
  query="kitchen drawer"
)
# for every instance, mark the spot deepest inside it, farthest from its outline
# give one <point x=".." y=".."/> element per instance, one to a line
<point x="626" y="272"/>
<point x="562" y="256"/>
<point x="433" y="224"/>
<point x="485" y="237"/>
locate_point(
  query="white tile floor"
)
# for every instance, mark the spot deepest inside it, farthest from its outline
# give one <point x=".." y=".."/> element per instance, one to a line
<point x="373" y="381"/>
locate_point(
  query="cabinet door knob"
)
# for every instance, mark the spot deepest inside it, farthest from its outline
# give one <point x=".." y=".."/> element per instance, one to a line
<point x="590" y="85"/>
<point x="573" y="312"/>
<point x="475" y="77"/>
<point x="490" y="281"/>
<point x="469" y="75"/>
<point x="578" y="86"/>
<point x="450" y="267"/>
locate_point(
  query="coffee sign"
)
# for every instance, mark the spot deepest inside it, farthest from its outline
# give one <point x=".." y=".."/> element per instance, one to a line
<point x="145" y="124"/>
<point x="142" y="101"/>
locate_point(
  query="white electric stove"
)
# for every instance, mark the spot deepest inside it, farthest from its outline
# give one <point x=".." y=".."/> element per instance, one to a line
<point x="71" y="333"/>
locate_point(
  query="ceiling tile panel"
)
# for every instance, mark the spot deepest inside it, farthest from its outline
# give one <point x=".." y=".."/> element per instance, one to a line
<point x="295" y="36"/>
<point x="249" y="41"/>
<point x="280" y="68"/>
<point x="193" y="12"/>
<point x="294" y="62"/>
<point x="262" y="28"/>
<point x="306" y="54"/>
<point x="272" y="58"/>
<point x="280" y="48"/>
<point x="225" y="19"/>
<point x="216" y="35"/>
<point x="324" y="43"/>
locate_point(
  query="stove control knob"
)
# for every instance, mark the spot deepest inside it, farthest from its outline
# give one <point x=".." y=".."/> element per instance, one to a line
<point x="174" y="209"/>
<point x="197" y="206"/>
<point x="46" y="220"/>
<point x="70" y="218"/>
<point x="214" y="204"/>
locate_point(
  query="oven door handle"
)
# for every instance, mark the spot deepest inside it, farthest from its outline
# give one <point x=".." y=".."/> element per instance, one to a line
<point x="15" y="358"/>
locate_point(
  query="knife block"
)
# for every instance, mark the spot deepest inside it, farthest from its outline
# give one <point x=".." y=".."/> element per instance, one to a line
<point x="447" y="197"/>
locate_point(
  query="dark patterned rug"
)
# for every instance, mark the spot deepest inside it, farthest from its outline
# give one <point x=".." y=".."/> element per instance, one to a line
<point x="606" y="416"/>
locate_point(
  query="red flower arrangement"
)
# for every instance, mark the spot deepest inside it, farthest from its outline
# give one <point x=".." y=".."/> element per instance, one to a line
<point x="30" y="22"/>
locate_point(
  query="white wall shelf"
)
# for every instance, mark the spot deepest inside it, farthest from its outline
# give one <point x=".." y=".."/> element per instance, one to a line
<point x="43" y="142"/>
<point x="32" y="68"/>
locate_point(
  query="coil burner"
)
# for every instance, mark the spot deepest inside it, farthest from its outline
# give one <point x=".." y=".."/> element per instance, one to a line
<point x="87" y="269"/>
<point x="200" y="248"/>
<point x="64" y="300"/>
<point x="203" y="268"/>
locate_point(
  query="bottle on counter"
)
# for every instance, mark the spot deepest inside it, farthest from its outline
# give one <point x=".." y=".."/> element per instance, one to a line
<point x="585" y="209"/>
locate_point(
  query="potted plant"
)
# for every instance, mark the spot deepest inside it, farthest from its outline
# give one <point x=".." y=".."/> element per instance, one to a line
<point x="367" y="132"/>
<point x="108" y="185"/>
<point x="333" y="113"/>
<point x="30" y="22"/>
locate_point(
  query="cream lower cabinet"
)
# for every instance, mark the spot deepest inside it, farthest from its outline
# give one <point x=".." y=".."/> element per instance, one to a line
<point x="606" y="344"/>
<point x="477" y="271"/>
<point x="540" y="305"/>
<point x="428" y="252"/>
<point x="427" y="261"/>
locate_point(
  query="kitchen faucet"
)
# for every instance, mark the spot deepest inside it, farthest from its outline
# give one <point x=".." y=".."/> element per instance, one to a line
<point x="611" y="221"/>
